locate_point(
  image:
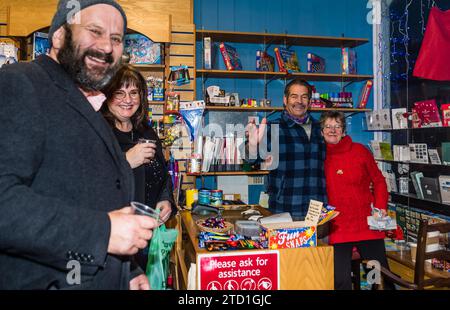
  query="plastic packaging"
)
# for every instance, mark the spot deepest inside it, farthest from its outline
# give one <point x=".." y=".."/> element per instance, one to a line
<point x="142" y="209"/>
<point x="247" y="228"/>
<point x="192" y="114"/>
<point x="179" y="75"/>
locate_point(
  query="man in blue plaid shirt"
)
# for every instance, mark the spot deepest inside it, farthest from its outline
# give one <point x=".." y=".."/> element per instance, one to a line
<point x="297" y="174"/>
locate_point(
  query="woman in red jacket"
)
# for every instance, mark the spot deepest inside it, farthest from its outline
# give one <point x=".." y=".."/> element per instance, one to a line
<point x="350" y="169"/>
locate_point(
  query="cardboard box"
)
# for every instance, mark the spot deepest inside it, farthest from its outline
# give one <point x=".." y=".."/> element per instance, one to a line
<point x="290" y="235"/>
<point x="298" y="234"/>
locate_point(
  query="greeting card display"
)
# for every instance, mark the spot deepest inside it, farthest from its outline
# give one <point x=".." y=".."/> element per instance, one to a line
<point x="426" y="114"/>
<point x="399" y="118"/>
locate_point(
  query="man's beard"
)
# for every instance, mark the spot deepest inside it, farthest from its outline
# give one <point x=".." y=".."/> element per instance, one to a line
<point x="73" y="62"/>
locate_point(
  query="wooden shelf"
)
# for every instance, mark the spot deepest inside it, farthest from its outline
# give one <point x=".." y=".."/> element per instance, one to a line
<point x="242" y="109"/>
<point x="324" y="77"/>
<point x="240" y="74"/>
<point x="221" y="173"/>
<point x="279" y="39"/>
<point x="149" y="67"/>
<point x="279" y="109"/>
<point x="350" y="110"/>
<point x="156" y="102"/>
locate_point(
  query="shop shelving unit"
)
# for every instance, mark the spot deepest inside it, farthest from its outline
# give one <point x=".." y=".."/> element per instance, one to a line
<point x="432" y="136"/>
<point x="268" y="39"/>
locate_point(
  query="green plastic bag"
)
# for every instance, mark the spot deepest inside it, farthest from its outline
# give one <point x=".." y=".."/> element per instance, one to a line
<point x="158" y="256"/>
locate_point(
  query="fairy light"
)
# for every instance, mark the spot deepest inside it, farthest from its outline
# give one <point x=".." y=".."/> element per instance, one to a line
<point x="397" y="45"/>
<point x="422" y="21"/>
<point x="400" y="38"/>
<point x="405" y="42"/>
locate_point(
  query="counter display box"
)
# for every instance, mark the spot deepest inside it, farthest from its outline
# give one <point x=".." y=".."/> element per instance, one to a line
<point x="299" y="234"/>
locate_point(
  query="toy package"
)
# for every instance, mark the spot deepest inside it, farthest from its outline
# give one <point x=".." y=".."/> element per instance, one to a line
<point x="155" y="87"/>
<point x="41" y="45"/>
<point x="209" y="53"/>
<point x="179" y="75"/>
<point x="172" y="103"/>
<point x="299" y="234"/>
<point x="348" y="61"/>
<point x="291" y="235"/>
<point x="230" y="57"/>
<point x="8" y="54"/>
<point x="287" y="60"/>
<point x="264" y="62"/>
<point x="141" y="49"/>
<point x="315" y="63"/>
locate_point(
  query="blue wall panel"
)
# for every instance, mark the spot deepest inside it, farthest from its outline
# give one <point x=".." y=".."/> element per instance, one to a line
<point x="305" y="17"/>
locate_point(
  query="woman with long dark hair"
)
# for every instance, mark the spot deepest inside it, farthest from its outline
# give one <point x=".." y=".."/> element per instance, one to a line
<point x="125" y="110"/>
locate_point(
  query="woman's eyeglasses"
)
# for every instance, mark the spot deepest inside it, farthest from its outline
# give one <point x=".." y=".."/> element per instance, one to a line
<point x="335" y="127"/>
<point x="120" y="94"/>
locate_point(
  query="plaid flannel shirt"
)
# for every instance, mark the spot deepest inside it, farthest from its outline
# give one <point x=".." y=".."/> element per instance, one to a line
<point x="300" y="175"/>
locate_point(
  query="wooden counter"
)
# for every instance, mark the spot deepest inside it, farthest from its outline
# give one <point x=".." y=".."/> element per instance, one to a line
<point x="301" y="268"/>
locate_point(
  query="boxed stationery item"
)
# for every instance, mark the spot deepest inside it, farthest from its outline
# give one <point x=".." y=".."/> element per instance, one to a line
<point x="230" y="57"/>
<point x="299" y="234"/>
<point x="287" y="60"/>
<point x="142" y="50"/>
<point x="315" y="63"/>
<point x="264" y="62"/>
<point x="209" y="53"/>
<point x="348" y="61"/>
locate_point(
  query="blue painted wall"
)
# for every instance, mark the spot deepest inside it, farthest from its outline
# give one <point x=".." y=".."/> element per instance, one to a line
<point x="304" y="17"/>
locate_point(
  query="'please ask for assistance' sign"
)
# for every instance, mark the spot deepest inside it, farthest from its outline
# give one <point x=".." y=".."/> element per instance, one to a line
<point x="252" y="270"/>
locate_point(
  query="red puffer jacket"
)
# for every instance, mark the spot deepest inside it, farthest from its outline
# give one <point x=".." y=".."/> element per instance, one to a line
<point x="349" y="170"/>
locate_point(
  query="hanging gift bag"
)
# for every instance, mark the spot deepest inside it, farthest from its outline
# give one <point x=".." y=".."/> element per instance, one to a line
<point x="433" y="62"/>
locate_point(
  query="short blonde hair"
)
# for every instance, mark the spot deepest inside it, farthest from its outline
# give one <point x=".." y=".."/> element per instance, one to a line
<point x="336" y="115"/>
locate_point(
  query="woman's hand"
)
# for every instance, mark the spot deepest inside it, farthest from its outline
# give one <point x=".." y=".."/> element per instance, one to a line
<point x="166" y="210"/>
<point x="141" y="154"/>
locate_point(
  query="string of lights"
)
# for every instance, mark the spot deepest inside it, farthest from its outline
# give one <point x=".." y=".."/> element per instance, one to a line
<point x="400" y="40"/>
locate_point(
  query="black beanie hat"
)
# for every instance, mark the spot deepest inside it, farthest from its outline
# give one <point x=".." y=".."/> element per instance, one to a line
<point x="66" y="7"/>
